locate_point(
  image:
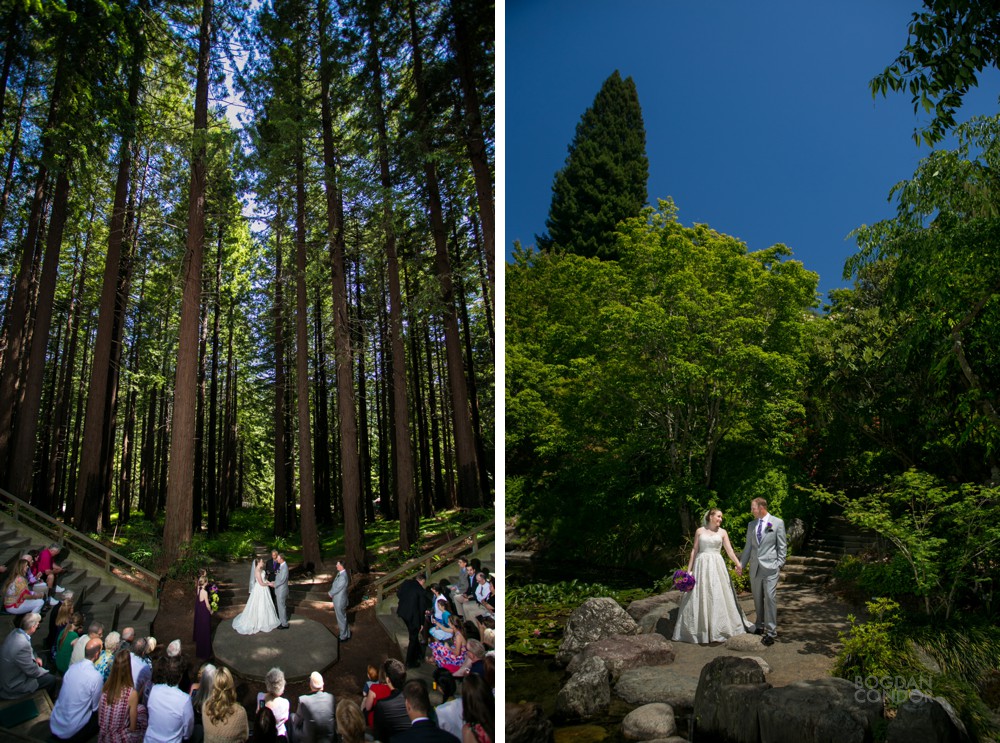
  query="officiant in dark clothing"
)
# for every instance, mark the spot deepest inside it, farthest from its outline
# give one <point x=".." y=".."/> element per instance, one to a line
<point x="414" y="603"/>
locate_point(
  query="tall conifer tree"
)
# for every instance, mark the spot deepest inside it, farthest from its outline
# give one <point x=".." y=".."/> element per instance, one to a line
<point x="604" y="179"/>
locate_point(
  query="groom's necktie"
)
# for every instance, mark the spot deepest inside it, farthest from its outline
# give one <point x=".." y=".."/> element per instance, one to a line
<point x="760" y="530"/>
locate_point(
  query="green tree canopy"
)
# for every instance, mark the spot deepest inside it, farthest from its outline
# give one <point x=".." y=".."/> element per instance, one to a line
<point x="949" y="45"/>
<point x="626" y="379"/>
<point x="604" y="179"/>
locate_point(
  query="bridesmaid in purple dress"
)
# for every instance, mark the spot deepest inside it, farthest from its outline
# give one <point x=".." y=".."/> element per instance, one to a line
<point x="203" y="621"/>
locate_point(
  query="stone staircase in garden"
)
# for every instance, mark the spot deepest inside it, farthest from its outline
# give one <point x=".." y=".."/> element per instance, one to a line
<point x="97" y="597"/>
<point x="830" y="542"/>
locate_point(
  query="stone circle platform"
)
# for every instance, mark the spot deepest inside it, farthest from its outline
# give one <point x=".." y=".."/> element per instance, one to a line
<point x="304" y="647"/>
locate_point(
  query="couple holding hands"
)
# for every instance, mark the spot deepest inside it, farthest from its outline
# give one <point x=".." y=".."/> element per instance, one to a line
<point x="710" y="612"/>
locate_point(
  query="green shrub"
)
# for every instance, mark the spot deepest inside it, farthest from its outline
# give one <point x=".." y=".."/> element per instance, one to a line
<point x="871" y="648"/>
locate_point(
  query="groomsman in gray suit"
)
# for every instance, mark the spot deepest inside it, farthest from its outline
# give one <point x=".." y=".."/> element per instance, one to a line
<point x="338" y="592"/>
<point x="280" y="586"/>
<point x="765" y="551"/>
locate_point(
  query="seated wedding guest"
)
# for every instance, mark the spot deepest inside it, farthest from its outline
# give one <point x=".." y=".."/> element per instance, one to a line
<point x="477" y="709"/>
<point x="440" y="628"/>
<point x="473" y="664"/>
<point x="487" y="630"/>
<point x="21" y="671"/>
<point x="201" y="689"/>
<point x="128" y="637"/>
<point x="18" y="598"/>
<point x="481" y="595"/>
<point x="378" y="690"/>
<point x="274" y="684"/>
<point x="466" y="592"/>
<point x="449" y="712"/>
<point x="265" y="728"/>
<point x="74" y="716"/>
<point x="390" y="713"/>
<point x="223" y="718"/>
<point x="418" y="709"/>
<point x="142" y="669"/>
<point x="171" y="717"/>
<point x="350" y="723"/>
<point x="450" y="654"/>
<point x="313" y="721"/>
<point x="120" y="716"/>
<point x="57" y="620"/>
<point x="64" y="643"/>
<point x="174" y="650"/>
<point x="372" y="680"/>
<point x="95" y="631"/>
<point x="36" y="581"/>
<point x="107" y="656"/>
<point x="46" y="566"/>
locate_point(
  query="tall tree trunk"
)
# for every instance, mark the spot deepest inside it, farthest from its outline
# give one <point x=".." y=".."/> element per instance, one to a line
<point x="364" y="440"/>
<point x="23" y="452"/>
<point x="469" y="495"/>
<point x="409" y="512"/>
<point x="484" y="475"/>
<point x="177" y="529"/>
<point x="198" y="484"/>
<point x="280" y="434"/>
<point x="69" y="490"/>
<point x="322" y="436"/>
<point x="307" y="500"/>
<point x="354" y="533"/>
<point x="465" y="54"/>
<point x="211" y="483"/>
<point x="15" y="146"/>
<point x="95" y="435"/>
<point x="423" y="434"/>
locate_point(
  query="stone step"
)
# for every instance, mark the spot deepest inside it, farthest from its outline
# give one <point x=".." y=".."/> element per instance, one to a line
<point x="811" y="560"/>
<point x="804" y="578"/>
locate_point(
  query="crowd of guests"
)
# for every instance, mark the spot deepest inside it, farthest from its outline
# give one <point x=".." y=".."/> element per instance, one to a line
<point x="121" y="688"/>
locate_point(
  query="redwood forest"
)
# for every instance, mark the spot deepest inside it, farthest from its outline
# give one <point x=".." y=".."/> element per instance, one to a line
<point x="246" y="259"/>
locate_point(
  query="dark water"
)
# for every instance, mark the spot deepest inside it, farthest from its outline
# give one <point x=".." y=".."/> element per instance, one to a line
<point x="538" y="680"/>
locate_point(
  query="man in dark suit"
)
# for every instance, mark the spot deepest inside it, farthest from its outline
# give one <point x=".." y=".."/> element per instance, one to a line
<point x="413" y="605"/>
<point x="418" y="709"/>
<point x="314" y="722"/>
<point x="270" y="573"/>
<point x="390" y="715"/>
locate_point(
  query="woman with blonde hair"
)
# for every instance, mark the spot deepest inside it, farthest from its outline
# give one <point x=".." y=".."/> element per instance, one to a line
<point x="121" y="718"/>
<point x="223" y="717"/>
<point x="18" y="598"/>
<point x="350" y="723"/>
<point x="107" y="656"/>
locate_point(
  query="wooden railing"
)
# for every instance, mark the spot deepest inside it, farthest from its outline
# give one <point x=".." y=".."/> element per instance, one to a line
<point x="443" y="553"/>
<point x="134" y="576"/>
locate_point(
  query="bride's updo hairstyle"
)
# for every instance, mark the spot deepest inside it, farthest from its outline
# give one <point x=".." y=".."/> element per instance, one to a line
<point x="708" y="516"/>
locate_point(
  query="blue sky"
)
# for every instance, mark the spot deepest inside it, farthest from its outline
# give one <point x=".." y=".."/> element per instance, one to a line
<point x="759" y="121"/>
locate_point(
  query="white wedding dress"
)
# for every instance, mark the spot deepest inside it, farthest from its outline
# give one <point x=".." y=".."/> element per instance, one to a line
<point x="259" y="614"/>
<point x="709" y="612"/>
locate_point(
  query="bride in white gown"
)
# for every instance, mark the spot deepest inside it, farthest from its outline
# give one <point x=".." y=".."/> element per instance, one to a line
<point x="259" y="614"/>
<point x="709" y="612"/>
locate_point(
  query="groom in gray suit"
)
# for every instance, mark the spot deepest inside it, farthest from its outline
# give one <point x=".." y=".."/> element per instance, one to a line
<point x="765" y="551"/>
<point x="280" y="586"/>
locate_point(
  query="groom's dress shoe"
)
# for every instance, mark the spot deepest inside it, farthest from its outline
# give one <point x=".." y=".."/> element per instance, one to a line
<point x="767" y="640"/>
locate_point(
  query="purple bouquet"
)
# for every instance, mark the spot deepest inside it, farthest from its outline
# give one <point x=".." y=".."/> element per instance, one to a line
<point x="683" y="581"/>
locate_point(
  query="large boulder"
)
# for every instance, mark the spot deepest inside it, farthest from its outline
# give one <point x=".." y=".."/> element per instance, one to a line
<point x="649" y="722"/>
<point x="746" y="643"/>
<point x="587" y="693"/>
<point x="725" y="705"/>
<point x="661" y="620"/>
<point x="527" y="723"/>
<point x="657" y="684"/>
<point x="623" y="652"/>
<point x="593" y="620"/>
<point x="796" y="532"/>
<point x="927" y="719"/>
<point x="641" y="607"/>
<point x="824" y="711"/>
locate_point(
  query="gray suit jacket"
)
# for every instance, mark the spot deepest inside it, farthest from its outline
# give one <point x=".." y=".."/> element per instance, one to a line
<point x="18" y="671"/>
<point x="771" y="552"/>
<point x="281" y="582"/>
<point x="314" y="721"/>
<point x="338" y="591"/>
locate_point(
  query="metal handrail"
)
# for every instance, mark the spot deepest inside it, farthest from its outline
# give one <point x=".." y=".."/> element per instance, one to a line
<point x="385" y="584"/>
<point x="145" y="581"/>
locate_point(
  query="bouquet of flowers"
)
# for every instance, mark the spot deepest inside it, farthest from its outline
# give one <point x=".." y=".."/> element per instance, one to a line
<point x="683" y="581"/>
<point x="213" y="596"/>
